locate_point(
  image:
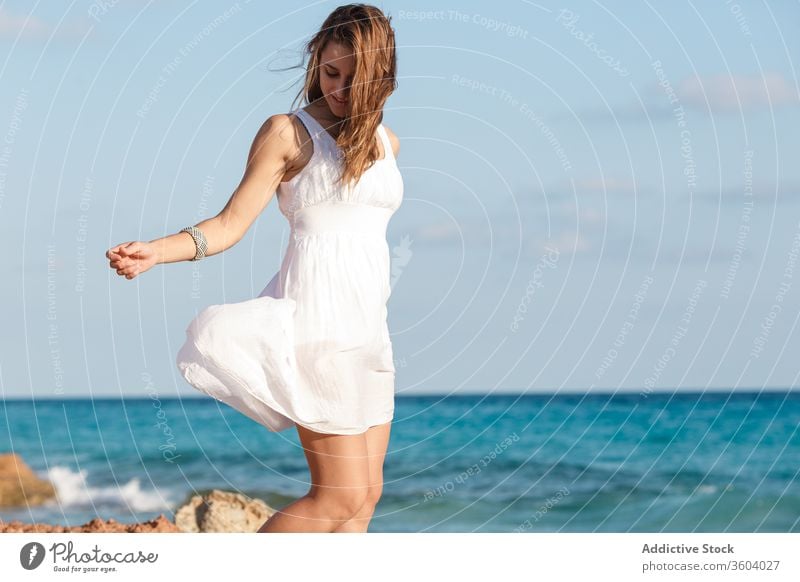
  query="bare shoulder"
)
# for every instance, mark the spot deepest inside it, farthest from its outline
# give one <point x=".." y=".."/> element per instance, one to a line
<point x="281" y="140"/>
<point x="278" y="133"/>
<point x="393" y="139"/>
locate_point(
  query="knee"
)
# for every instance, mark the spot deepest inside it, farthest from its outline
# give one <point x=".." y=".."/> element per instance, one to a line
<point x="371" y="499"/>
<point x="374" y="494"/>
<point x="343" y="504"/>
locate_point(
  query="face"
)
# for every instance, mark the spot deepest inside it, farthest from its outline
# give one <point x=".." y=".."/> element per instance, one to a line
<point x="336" y="75"/>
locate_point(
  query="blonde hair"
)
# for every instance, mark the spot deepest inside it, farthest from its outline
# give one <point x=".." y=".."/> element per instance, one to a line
<point x="367" y="32"/>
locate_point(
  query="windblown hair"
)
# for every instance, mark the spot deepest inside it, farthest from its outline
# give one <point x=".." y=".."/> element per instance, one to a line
<point x="367" y="32"/>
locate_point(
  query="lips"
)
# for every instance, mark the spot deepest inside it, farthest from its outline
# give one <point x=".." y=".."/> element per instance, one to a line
<point x="340" y="102"/>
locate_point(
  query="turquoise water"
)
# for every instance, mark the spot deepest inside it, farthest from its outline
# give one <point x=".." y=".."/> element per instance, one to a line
<point x="714" y="462"/>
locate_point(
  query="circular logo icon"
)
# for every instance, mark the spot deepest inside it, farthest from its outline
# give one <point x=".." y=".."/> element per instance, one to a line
<point x="31" y="555"/>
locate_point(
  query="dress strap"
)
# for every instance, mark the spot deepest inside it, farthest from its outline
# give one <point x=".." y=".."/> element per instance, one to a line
<point x="304" y="119"/>
<point x="308" y="120"/>
<point x="319" y="135"/>
<point x="387" y="145"/>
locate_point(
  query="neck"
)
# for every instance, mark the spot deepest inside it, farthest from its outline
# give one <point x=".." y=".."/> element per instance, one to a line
<point x="326" y="118"/>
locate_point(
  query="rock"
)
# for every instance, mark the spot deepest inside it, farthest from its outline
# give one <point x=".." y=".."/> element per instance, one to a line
<point x="158" y="525"/>
<point x="19" y="485"/>
<point x="222" y="511"/>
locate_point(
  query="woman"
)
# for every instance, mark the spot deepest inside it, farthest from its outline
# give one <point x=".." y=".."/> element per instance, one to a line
<point x="312" y="351"/>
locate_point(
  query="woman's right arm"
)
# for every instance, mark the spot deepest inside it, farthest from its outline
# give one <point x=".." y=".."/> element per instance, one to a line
<point x="270" y="154"/>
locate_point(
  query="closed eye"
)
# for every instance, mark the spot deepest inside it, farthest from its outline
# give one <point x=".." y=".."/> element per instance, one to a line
<point x="333" y="75"/>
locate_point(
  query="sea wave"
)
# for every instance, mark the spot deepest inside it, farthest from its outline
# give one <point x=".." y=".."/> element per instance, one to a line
<point x="74" y="491"/>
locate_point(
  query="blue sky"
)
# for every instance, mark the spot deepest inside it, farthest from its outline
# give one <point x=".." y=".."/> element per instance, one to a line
<point x="598" y="196"/>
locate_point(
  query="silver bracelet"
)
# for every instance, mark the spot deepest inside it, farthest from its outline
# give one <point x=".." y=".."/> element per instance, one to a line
<point x="199" y="241"/>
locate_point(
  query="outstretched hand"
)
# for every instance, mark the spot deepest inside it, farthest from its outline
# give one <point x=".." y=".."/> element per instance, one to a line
<point x="132" y="258"/>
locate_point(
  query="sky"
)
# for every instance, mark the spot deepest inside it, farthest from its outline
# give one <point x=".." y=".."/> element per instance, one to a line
<point x="597" y="196"/>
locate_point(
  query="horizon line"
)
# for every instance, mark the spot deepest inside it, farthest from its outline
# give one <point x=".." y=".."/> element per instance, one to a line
<point x="570" y="392"/>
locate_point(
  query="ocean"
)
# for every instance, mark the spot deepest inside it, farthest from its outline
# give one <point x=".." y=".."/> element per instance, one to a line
<point x="657" y="462"/>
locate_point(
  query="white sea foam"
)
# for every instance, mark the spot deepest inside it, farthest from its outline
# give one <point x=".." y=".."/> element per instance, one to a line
<point x="707" y="489"/>
<point x="72" y="490"/>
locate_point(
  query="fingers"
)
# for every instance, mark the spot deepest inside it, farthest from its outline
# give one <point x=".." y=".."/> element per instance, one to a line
<point x="124" y="266"/>
<point x="118" y="262"/>
<point x="122" y="261"/>
<point x="131" y="248"/>
<point x="129" y="272"/>
<point x="123" y="250"/>
<point x="115" y="250"/>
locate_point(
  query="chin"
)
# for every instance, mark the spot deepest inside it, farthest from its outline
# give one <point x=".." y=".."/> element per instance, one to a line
<point x="338" y="109"/>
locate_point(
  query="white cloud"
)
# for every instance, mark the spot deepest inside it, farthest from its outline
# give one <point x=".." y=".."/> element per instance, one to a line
<point x="718" y="93"/>
<point x="440" y="232"/>
<point x="28" y="26"/>
<point x="607" y="185"/>
<point x="567" y="242"/>
<point x="723" y="92"/>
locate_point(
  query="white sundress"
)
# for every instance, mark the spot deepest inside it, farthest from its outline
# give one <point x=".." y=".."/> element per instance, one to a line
<point x="313" y="348"/>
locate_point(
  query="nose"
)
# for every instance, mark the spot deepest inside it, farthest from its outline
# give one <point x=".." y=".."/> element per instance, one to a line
<point x="340" y="91"/>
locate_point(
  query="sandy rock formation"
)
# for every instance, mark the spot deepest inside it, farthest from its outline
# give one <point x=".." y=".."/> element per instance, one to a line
<point x="222" y="511"/>
<point x="19" y="485"/>
<point x="158" y="525"/>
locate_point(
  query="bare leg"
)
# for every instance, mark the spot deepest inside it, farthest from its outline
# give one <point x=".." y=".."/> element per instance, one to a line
<point x="339" y="484"/>
<point x="377" y="442"/>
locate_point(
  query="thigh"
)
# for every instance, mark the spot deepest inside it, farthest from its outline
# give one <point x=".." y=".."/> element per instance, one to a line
<point x="377" y="442"/>
<point x="339" y="464"/>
